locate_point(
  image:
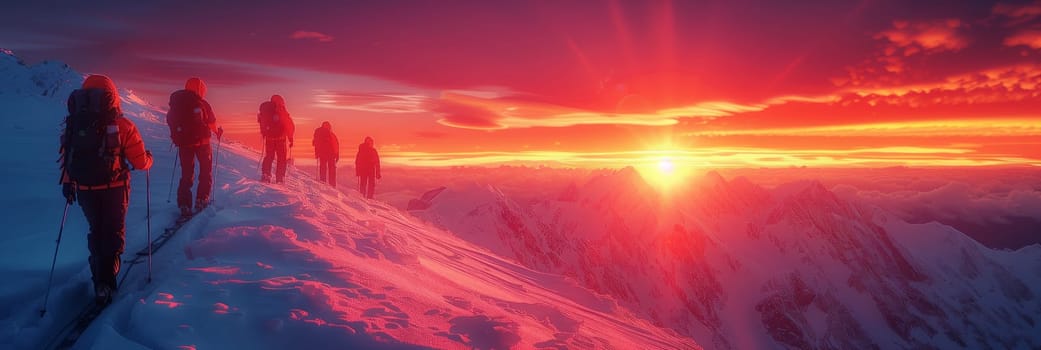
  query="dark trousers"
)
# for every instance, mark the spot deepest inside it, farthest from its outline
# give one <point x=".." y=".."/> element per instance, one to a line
<point x="367" y="184"/>
<point x="327" y="170"/>
<point x="274" y="148"/>
<point x="188" y="156"/>
<point x="106" y="212"/>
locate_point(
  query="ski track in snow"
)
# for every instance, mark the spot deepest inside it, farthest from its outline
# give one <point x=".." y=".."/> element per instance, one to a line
<point x="298" y="265"/>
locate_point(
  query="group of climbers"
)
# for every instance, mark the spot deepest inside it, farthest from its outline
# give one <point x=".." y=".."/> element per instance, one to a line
<point x="99" y="148"/>
<point x="277" y="128"/>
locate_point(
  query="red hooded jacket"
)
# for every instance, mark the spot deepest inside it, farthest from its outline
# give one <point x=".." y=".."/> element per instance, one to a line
<point x="288" y="127"/>
<point x="325" y="143"/>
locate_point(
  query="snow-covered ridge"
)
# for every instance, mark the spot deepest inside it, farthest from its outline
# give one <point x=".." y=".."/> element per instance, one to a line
<point x="47" y="78"/>
<point x="736" y="266"/>
<point x="271" y="267"/>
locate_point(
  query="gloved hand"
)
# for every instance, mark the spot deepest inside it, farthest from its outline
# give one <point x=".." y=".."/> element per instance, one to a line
<point x="378" y="176"/>
<point x="220" y="131"/>
<point x="69" y="192"/>
<point x="290" y="143"/>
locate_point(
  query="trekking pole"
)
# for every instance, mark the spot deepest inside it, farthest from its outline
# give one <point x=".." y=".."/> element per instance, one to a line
<point x="263" y="153"/>
<point x="57" y="243"/>
<point x="173" y="172"/>
<point x="216" y="162"/>
<point x="148" y="219"/>
<point x="290" y="161"/>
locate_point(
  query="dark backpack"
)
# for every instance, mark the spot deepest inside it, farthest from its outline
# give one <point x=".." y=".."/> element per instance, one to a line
<point x="187" y="119"/>
<point x="322" y="141"/>
<point x="91" y="150"/>
<point x="271" y="125"/>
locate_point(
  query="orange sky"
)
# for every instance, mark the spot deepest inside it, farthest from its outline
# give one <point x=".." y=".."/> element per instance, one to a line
<point x="611" y="83"/>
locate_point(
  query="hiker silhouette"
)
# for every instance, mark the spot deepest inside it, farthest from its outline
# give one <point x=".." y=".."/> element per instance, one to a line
<point x="96" y="147"/>
<point x="191" y="121"/>
<point x="277" y="128"/>
<point x="367" y="167"/>
<point x="327" y="152"/>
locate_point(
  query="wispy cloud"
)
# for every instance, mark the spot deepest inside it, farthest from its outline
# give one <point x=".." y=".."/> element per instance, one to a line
<point x="718" y="157"/>
<point x="378" y="102"/>
<point x="931" y="128"/>
<point x="1031" y="38"/>
<point x="1019" y="11"/>
<point x="310" y="35"/>
<point x="471" y="112"/>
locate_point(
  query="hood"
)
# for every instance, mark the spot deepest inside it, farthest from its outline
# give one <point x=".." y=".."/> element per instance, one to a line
<point x="197" y="86"/>
<point x="327" y="126"/>
<point x="278" y="100"/>
<point x="97" y="81"/>
<point x="280" y="105"/>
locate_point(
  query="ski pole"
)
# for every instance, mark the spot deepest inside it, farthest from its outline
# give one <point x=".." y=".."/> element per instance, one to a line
<point x="57" y="243"/>
<point x="173" y="172"/>
<point x="148" y="219"/>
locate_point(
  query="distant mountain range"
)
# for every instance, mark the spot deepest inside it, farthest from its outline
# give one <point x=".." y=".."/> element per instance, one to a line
<point x="735" y="266"/>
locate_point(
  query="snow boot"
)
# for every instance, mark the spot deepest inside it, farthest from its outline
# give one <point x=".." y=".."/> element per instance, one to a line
<point x="186" y="212"/>
<point x="201" y="204"/>
<point x="103" y="294"/>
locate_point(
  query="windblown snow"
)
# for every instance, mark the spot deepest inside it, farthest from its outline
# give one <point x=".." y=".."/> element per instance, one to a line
<point x="609" y="263"/>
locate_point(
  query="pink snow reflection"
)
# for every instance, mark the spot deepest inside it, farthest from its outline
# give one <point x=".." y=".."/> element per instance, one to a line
<point x="167" y="299"/>
<point x="219" y="270"/>
<point x="221" y="308"/>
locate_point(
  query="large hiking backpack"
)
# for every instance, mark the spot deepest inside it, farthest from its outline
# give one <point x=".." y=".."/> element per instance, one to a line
<point x="91" y="150"/>
<point x="271" y="124"/>
<point x="187" y="119"/>
<point x="322" y="141"/>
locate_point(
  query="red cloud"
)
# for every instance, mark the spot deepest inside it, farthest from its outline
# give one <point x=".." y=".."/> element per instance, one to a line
<point x="907" y="47"/>
<point x="1031" y="38"/>
<point x="304" y="34"/>
<point x="461" y="115"/>
<point x="379" y="102"/>
<point x="1024" y="11"/>
<point x="932" y="36"/>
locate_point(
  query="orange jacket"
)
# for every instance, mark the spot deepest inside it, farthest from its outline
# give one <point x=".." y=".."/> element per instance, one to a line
<point x="198" y="86"/>
<point x="133" y="150"/>
<point x="288" y="127"/>
<point x="133" y="145"/>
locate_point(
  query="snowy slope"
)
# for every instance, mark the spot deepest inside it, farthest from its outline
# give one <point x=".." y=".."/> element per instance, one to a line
<point x="293" y="266"/>
<point x="735" y="266"/>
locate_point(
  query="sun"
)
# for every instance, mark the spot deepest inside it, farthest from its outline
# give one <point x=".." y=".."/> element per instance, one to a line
<point x="665" y="166"/>
<point x="663" y="173"/>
